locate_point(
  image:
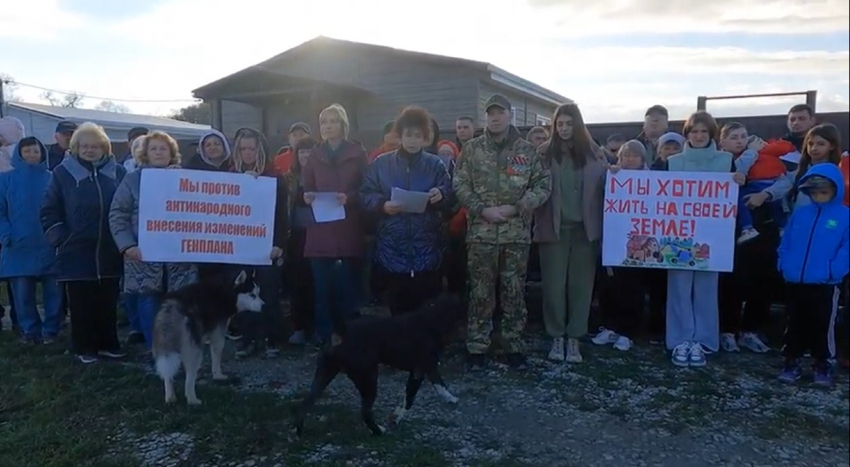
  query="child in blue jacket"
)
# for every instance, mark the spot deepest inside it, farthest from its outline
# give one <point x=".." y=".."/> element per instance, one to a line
<point x="814" y="257"/>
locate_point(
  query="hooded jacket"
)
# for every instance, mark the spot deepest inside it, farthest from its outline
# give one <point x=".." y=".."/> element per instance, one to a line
<point x="815" y="248"/>
<point x="12" y="131"/>
<point x="766" y="164"/>
<point x="75" y="218"/>
<point x="201" y="162"/>
<point x="269" y="169"/>
<point x="26" y="251"/>
<point x="407" y="242"/>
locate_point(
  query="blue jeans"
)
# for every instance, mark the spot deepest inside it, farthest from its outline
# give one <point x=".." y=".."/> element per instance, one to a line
<point x="25" y="306"/>
<point x="146" y="307"/>
<point x="745" y="216"/>
<point x="130" y="302"/>
<point x="336" y="284"/>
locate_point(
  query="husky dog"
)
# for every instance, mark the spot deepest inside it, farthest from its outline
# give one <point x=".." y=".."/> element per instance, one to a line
<point x="191" y="316"/>
<point x="411" y="342"/>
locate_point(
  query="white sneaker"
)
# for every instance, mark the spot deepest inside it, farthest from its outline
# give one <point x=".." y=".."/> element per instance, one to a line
<point x="573" y="352"/>
<point x="696" y="357"/>
<point x="751" y="341"/>
<point x="623" y="343"/>
<point x="557" y="352"/>
<point x="728" y="342"/>
<point x="298" y="338"/>
<point x="681" y="355"/>
<point x="747" y="235"/>
<point x="605" y="337"/>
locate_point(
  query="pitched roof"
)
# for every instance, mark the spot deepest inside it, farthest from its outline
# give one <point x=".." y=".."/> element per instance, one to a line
<point x="494" y="73"/>
<point x="115" y="119"/>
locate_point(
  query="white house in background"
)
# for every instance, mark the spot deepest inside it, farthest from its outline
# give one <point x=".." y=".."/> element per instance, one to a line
<point x="40" y="121"/>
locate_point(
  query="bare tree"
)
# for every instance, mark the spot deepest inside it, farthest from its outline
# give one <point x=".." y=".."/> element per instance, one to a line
<point x="9" y="88"/>
<point x="109" y="106"/>
<point x="71" y="100"/>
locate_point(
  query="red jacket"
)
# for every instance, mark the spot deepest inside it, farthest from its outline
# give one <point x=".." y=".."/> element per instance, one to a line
<point x="383" y="149"/>
<point x="284" y="160"/>
<point x="343" y="174"/>
<point x="768" y="166"/>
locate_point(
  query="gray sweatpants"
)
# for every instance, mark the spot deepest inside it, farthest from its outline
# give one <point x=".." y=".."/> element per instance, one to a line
<point x="692" y="311"/>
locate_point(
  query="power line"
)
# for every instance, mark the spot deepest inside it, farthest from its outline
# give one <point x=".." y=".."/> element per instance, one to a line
<point x="114" y="99"/>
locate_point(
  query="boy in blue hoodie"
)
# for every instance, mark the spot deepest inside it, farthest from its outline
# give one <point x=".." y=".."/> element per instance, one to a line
<point x="814" y="256"/>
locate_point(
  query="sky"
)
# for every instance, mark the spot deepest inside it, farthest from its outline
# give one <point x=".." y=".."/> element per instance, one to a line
<point x="614" y="58"/>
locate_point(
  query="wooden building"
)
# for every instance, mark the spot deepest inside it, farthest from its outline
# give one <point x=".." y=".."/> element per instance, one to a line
<point x="373" y="83"/>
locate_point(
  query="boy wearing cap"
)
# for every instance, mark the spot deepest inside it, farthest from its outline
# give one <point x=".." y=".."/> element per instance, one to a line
<point x="814" y="257"/>
<point x="669" y="144"/>
<point x="298" y="131"/>
<point x="500" y="180"/>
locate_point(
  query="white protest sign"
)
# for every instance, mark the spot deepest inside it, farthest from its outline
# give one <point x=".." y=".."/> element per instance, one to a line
<point x="192" y="216"/>
<point x="670" y="220"/>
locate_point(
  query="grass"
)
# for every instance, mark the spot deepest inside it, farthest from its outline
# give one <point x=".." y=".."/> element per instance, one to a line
<point x="56" y="413"/>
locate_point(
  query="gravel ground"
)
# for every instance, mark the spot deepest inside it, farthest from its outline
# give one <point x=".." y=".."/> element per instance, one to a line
<point x="615" y="409"/>
<point x="621" y="409"/>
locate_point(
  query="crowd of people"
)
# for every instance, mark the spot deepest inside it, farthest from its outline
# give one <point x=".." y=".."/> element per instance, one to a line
<point x="496" y="202"/>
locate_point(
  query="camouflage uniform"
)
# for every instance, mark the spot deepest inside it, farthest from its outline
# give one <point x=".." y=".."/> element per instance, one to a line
<point x="490" y="175"/>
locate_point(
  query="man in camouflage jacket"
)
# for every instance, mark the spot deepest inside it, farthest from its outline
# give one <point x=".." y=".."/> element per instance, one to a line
<point x="500" y="180"/>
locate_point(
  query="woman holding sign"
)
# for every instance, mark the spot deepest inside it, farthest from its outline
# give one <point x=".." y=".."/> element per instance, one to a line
<point x="409" y="246"/>
<point x="693" y="322"/>
<point x="335" y="243"/>
<point x="145" y="281"/>
<point x="251" y="157"/>
<point x="568" y="228"/>
<point x="75" y="219"/>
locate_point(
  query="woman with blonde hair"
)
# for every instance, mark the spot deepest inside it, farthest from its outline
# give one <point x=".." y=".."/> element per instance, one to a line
<point x="251" y="156"/>
<point x="335" y="248"/>
<point x="144" y="281"/>
<point x="75" y="219"/>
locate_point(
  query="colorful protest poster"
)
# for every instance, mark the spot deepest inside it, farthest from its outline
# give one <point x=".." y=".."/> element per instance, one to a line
<point x="206" y="217"/>
<point x="670" y="220"/>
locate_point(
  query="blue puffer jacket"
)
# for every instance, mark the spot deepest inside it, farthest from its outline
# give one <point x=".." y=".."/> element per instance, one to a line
<point x="75" y="218"/>
<point x="815" y="248"/>
<point x="407" y="242"/>
<point x="26" y="251"/>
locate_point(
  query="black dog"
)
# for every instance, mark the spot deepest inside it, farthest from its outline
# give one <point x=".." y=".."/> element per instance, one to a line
<point x="412" y="342"/>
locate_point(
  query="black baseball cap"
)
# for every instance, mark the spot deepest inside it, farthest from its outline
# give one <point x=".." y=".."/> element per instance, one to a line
<point x="66" y="126"/>
<point x="497" y="100"/>
<point x="816" y="182"/>
<point x="135" y="132"/>
<point x="300" y="126"/>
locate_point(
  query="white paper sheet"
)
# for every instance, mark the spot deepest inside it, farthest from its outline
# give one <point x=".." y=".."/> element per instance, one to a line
<point x="326" y="208"/>
<point x="412" y="201"/>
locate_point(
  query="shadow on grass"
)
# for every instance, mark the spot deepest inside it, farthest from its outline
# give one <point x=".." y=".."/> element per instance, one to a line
<point x="57" y="413"/>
